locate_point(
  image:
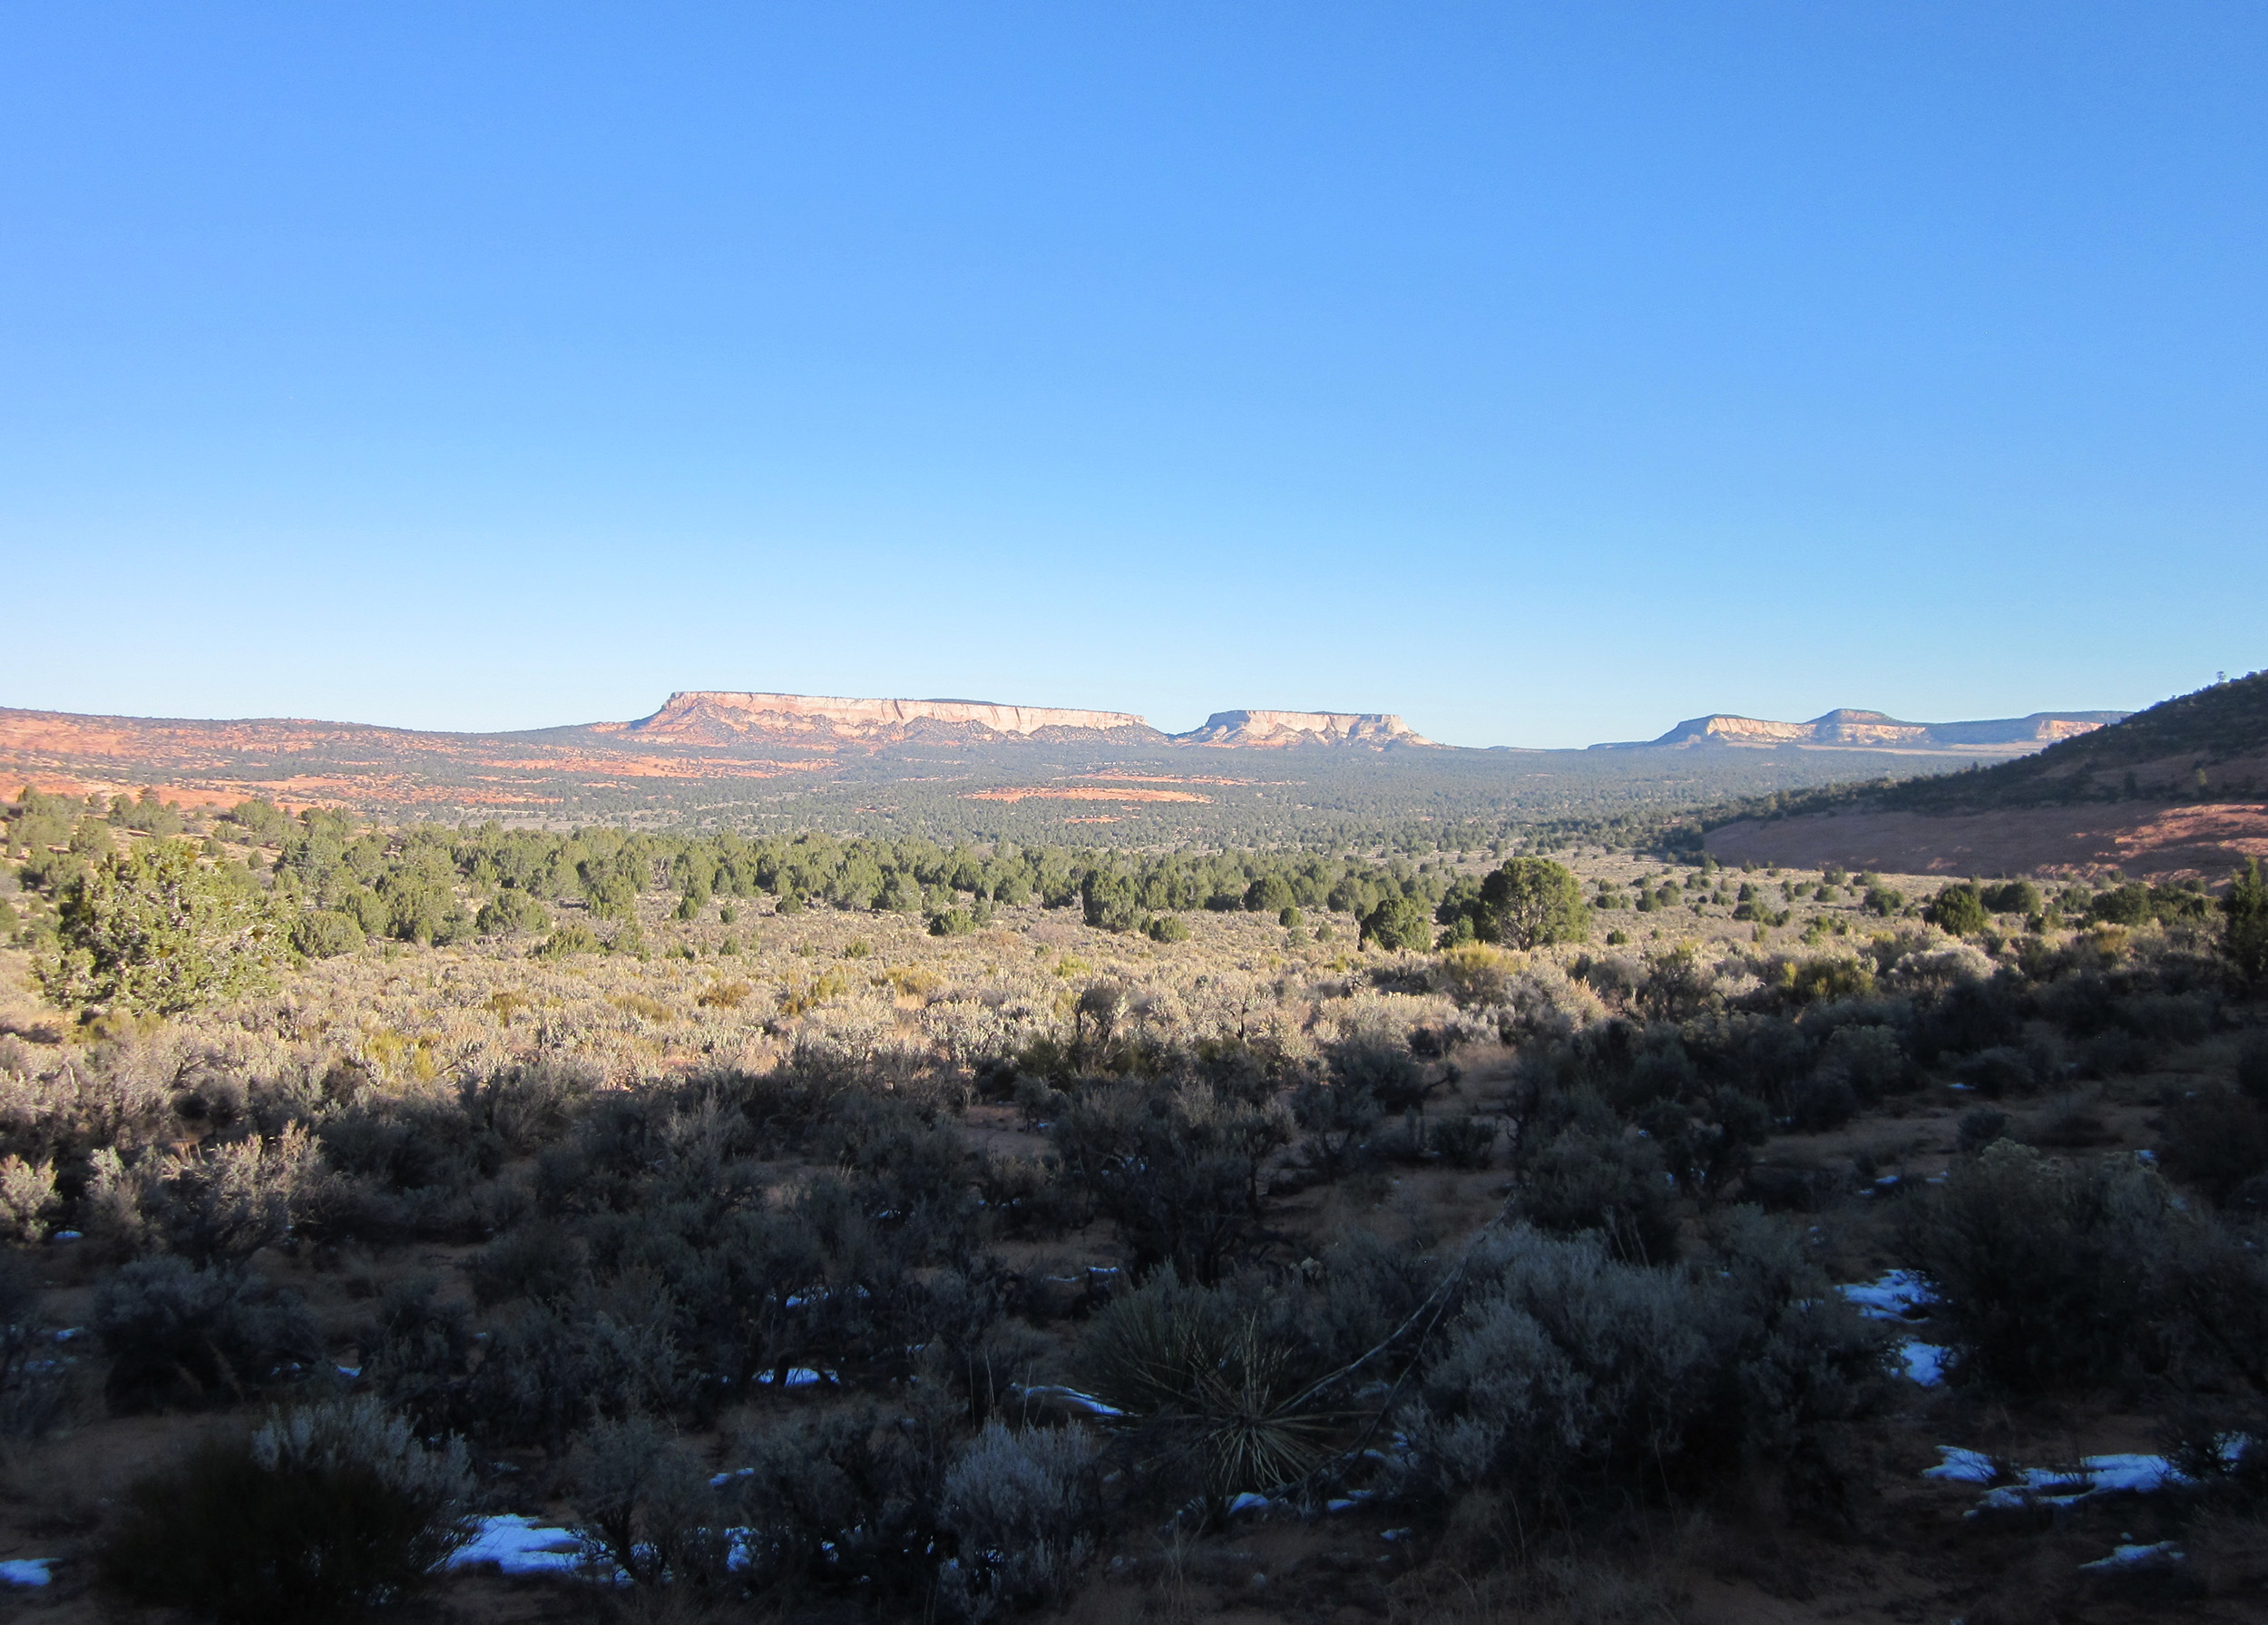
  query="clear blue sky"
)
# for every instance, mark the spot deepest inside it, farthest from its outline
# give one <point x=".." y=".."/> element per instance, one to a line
<point x="1544" y="373"/>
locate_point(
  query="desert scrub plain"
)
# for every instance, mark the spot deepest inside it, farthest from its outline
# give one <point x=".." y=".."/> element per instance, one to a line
<point x="958" y="1258"/>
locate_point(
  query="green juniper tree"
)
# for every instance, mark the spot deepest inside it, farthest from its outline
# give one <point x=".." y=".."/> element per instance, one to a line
<point x="1529" y="902"/>
<point x="2244" y="931"/>
<point x="154" y="932"/>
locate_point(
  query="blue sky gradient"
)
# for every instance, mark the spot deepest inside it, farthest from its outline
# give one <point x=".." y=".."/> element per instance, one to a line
<point x="1545" y="374"/>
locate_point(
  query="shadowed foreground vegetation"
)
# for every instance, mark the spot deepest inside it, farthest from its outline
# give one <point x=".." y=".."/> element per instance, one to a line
<point x="819" y="1229"/>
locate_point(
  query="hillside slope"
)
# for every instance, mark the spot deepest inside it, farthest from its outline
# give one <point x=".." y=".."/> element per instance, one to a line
<point x="2212" y="744"/>
<point x="2175" y="790"/>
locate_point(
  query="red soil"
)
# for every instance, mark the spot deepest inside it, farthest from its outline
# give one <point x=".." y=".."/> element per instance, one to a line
<point x="1079" y="793"/>
<point x="2160" y="843"/>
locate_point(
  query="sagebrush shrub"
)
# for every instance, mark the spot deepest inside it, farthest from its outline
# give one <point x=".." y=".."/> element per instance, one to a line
<point x="601" y="1353"/>
<point x="1024" y="1504"/>
<point x="1569" y="1379"/>
<point x="228" y="1201"/>
<point x="180" y="1336"/>
<point x="28" y="1194"/>
<point x="1615" y="1185"/>
<point x="2215" y="1139"/>
<point x="318" y="1514"/>
<point x="845" y="1501"/>
<point x="2252" y="1067"/>
<point x="2046" y="1269"/>
<point x="35" y="1388"/>
<point x="1867" y="1058"/>
<point x="1565" y="1375"/>
<point x="418" y="1353"/>
<point x="645" y="1507"/>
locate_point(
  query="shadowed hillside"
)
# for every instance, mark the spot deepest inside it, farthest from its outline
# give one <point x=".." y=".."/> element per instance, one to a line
<point x="2209" y="745"/>
<point x="2172" y="791"/>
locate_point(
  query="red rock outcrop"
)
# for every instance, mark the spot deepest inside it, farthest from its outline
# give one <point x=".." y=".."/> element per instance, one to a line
<point x="1279" y="729"/>
<point x="700" y="717"/>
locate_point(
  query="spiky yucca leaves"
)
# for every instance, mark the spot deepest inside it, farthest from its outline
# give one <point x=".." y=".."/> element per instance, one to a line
<point x="1218" y="1394"/>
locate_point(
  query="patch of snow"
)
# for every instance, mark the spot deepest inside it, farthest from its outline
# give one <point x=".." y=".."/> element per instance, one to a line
<point x="66" y="1236"/>
<point x="1963" y="1466"/>
<point x="2120" y="1473"/>
<point x="2148" y="1158"/>
<point x="519" y="1545"/>
<point x="1071" y="1399"/>
<point x="800" y="1376"/>
<point x="2136" y="1557"/>
<point x="351" y="1373"/>
<point x="1924" y="1362"/>
<point x="1348" y="1502"/>
<point x="1394" y="1534"/>
<point x="1247" y="1501"/>
<point x="26" y="1571"/>
<point x="722" y="1479"/>
<point x="1901" y="1295"/>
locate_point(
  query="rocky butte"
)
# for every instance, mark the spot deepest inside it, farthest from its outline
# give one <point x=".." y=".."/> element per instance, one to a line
<point x="1277" y="730"/>
<point x="1846" y="727"/>
<point x="699" y="717"/>
<point x="710" y="718"/>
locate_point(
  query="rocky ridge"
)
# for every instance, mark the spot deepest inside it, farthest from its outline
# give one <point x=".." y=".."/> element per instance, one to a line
<point x="1846" y="729"/>
<point x="1280" y="729"/>
<point x="700" y="717"/>
<point x="708" y="717"/>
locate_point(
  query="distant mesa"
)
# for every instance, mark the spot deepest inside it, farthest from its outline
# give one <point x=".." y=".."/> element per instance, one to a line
<point x="702" y="717"/>
<point x="1856" y="730"/>
<point x="699" y="717"/>
<point x="1280" y="729"/>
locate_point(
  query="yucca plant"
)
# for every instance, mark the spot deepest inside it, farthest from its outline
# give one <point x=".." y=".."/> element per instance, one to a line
<point x="1201" y="1375"/>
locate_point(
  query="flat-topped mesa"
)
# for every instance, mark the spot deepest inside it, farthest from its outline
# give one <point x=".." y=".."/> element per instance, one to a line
<point x="1279" y="729"/>
<point x="1875" y="729"/>
<point x="710" y="717"/>
<point x="1727" y="729"/>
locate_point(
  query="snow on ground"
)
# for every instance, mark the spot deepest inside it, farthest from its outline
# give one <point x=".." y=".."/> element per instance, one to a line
<point x="2137" y="1557"/>
<point x="2057" y="1486"/>
<point x="519" y="1545"/>
<point x="26" y="1571"/>
<point x="1963" y="1466"/>
<point x="1901" y="1295"/>
<point x="1071" y="1399"/>
<point x="1923" y="1362"/>
<point x="798" y="1377"/>
<point x="1905" y="1296"/>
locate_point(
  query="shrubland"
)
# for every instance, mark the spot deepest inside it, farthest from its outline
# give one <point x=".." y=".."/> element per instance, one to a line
<point x="836" y="1229"/>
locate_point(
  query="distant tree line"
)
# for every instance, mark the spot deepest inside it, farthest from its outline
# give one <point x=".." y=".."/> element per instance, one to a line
<point x="321" y="883"/>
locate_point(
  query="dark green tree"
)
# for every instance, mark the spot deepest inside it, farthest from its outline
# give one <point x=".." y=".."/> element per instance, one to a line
<point x="154" y="931"/>
<point x="1529" y="902"/>
<point x="1399" y="923"/>
<point x="1958" y="909"/>
<point x="512" y="911"/>
<point x="1271" y="893"/>
<point x="2245" y="929"/>
<point x="1108" y="899"/>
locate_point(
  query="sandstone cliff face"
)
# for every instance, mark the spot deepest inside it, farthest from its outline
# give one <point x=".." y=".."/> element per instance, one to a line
<point x="1279" y="729"/>
<point x="713" y="717"/>
<point x="1875" y="730"/>
<point x="699" y="717"/>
